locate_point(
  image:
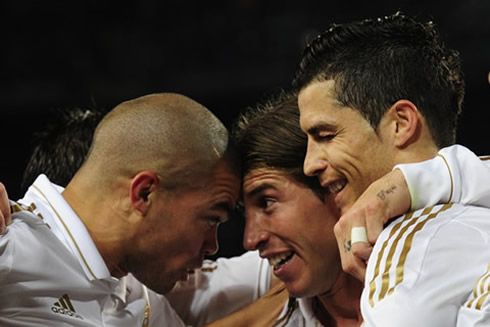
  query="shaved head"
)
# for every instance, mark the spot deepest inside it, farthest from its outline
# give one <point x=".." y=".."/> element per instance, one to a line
<point x="167" y="133"/>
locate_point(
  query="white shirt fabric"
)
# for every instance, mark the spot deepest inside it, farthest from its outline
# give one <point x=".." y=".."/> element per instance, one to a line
<point x="431" y="267"/>
<point x="52" y="274"/>
<point x="455" y="175"/>
<point x="220" y="287"/>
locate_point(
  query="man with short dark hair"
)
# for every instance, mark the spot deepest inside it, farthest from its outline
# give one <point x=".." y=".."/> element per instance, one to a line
<point x="374" y="94"/>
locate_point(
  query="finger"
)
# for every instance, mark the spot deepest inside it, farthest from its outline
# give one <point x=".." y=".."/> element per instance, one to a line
<point x="373" y="229"/>
<point x="358" y="234"/>
<point x="356" y="267"/>
<point x="362" y="250"/>
<point x="5" y="218"/>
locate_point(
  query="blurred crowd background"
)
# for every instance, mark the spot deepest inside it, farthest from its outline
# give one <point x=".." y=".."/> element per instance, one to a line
<point x="225" y="54"/>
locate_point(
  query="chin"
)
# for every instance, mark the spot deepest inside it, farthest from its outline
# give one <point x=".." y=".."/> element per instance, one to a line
<point x="300" y="291"/>
<point x="159" y="287"/>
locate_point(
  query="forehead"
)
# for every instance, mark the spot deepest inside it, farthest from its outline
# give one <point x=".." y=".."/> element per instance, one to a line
<point x="221" y="186"/>
<point x="316" y="99"/>
<point x="258" y="180"/>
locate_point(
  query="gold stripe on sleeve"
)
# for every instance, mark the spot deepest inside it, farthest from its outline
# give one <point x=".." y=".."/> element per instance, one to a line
<point x="480" y="291"/>
<point x="372" y="284"/>
<point x="408" y="245"/>
<point x="450" y="176"/>
<point x="389" y="261"/>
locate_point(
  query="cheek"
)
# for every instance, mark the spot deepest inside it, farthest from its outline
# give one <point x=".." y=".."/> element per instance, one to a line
<point x="193" y="237"/>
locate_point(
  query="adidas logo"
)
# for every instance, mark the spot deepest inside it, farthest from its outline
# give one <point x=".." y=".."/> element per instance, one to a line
<point x="63" y="306"/>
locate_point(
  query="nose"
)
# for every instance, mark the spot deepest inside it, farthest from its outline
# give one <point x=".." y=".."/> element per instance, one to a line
<point x="254" y="236"/>
<point x="313" y="164"/>
<point x="210" y="245"/>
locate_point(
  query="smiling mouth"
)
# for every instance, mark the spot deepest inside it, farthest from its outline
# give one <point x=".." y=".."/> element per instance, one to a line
<point x="280" y="260"/>
<point x="336" y="186"/>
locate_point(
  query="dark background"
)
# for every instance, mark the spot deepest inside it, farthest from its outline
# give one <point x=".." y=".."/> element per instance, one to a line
<point x="225" y="54"/>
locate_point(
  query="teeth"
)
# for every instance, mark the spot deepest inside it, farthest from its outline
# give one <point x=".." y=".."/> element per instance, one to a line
<point x="278" y="258"/>
<point x="336" y="187"/>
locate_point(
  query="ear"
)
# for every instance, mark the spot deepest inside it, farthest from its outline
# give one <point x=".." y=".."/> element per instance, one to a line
<point x="406" y="122"/>
<point x="142" y="185"/>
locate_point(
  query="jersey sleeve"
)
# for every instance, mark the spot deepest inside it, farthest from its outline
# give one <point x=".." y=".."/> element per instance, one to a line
<point x="220" y="287"/>
<point x="475" y="311"/>
<point x="455" y="175"/>
<point x="6" y="255"/>
<point x="425" y="265"/>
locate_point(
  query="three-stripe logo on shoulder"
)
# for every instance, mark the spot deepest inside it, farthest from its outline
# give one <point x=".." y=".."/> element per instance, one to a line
<point x="481" y="291"/>
<point x="65" y="307"/>
<point x="389" y="269"/>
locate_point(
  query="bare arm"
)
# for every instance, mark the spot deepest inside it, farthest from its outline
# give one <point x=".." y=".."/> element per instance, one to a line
<point x="386" y="198"/>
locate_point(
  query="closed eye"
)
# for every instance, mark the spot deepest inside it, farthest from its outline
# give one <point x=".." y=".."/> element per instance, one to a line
<point x="324" y="136"/>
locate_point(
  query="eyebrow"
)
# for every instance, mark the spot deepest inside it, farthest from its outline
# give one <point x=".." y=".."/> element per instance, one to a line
<point x="260" y="188"/>
<point x="223" y="206"/>
<point x="320" y="126"/>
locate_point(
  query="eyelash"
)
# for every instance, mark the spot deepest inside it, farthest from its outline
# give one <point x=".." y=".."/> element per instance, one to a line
<point x="324" y="136"/>
<point x="264" y="202"/>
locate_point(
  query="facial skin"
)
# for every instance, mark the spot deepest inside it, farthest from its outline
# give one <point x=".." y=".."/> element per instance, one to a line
<point x="344" y="151"/>
<point x="286" y="220"/>
<point x="180" y="229"/>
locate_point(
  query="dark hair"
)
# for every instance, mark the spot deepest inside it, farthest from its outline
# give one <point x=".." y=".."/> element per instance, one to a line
<point x="268" y="135"/>
<point x="61" y="147"/>
<point x="376" y="62"/>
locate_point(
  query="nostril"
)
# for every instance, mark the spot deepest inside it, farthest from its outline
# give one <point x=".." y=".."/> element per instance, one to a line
<point x="255" y="241"/>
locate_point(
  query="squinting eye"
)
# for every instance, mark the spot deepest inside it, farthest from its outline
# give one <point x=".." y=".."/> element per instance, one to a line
<point x="325" y="135"/>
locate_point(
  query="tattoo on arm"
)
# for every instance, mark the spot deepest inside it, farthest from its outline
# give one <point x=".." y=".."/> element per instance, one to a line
<point x="384" y="193"/>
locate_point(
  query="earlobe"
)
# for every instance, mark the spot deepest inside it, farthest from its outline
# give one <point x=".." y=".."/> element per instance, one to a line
<point x="142" y="185"/>
<point x="406" y="118"/>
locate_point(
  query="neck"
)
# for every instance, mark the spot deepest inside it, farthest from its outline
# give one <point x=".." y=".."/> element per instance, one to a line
<point x="341" y="306"/>
<point x="103" y="223"/>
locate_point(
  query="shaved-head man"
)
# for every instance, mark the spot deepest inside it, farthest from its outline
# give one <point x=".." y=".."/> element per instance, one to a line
<point x="159" y="178"/>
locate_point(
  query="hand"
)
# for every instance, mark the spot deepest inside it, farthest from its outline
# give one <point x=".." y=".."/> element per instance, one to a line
<point x="5" y="218"/>
<point x="384" y="199"/>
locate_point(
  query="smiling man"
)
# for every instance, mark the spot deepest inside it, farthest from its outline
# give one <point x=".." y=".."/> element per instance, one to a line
<point x="374" y="94"/>
<point x="290" y="219"/>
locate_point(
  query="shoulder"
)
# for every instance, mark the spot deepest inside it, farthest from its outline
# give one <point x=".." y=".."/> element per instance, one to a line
<point x="429" y="250"/>
<point x="24" y="225"/>
<point x="438" y="220"/>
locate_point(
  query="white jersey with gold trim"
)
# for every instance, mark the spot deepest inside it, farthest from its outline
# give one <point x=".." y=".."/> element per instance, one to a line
<point x="456" y="175"/>
<point x="51" y="273"/>
<point x="220" y="287"/>
<point x="425" y="265"/>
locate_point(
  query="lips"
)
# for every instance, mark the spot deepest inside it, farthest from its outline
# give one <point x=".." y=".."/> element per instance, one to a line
<point x="336" y="187"/>
<point x="279" y="260"/>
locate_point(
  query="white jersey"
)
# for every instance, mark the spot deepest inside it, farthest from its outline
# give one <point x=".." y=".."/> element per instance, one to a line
<point x="52" y="274"/>
<point x="220" y="288"/>
<point x="455" y="175"/>
<point x="431" y="267"/>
